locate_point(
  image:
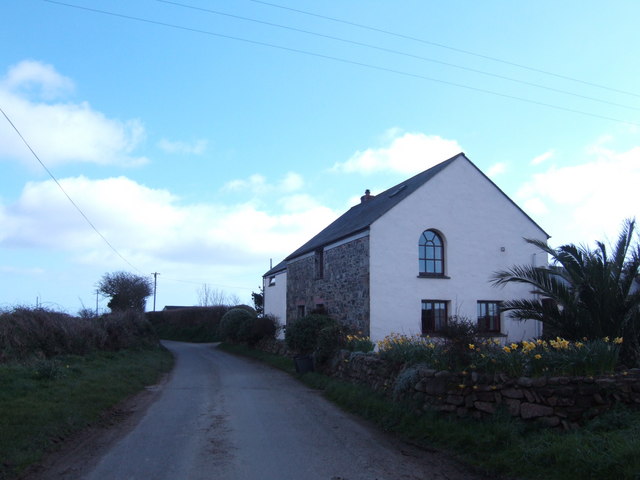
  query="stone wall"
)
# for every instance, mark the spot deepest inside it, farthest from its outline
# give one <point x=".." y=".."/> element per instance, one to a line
<point x="552" y="401"/>
<point x="343" y="289"/>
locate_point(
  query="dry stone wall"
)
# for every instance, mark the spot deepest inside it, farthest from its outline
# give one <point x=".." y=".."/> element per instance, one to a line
<point x="551" y="401"/>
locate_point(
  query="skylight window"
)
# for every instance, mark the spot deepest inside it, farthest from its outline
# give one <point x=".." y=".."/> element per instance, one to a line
<point x="397" y="191"/>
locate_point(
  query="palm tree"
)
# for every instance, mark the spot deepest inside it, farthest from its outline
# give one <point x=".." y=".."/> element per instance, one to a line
<point x="584" y="293"/>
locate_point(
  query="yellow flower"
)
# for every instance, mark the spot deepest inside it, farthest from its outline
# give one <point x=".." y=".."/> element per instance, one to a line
<point x="506" y="349"/>
<point x="537" y="356"/>
<point x="472" y="346"/>
<point x="462" y="385"/>
<point x="514" y="346"/>
<point x="579" y="344"/>
<point x="606" y="339"/>
<point x="617" y="340"/>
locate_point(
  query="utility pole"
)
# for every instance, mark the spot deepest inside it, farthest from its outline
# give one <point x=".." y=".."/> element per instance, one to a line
<point x="155" y="284"/>
<point x="97" y="292"/>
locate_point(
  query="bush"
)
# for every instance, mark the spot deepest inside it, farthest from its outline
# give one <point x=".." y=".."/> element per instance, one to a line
<point x="457" y="335"/>
<point x="27" y="333"/>
<point x="330" y="339"/>
<point x="235" y="325"/>
<point x="189" y="324"/>
<point x="302" y="335"/>
<point x="265" y="326"/>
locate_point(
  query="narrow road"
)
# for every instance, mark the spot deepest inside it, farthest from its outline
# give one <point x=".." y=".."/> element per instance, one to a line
<point x="228" y="418"/>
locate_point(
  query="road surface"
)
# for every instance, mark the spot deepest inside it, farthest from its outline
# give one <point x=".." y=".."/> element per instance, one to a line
<point x="222" y="417"/>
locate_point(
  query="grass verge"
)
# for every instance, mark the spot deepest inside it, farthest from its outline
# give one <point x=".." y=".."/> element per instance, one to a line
<point x="604" y="448"/>
<point x="45" y="401"/>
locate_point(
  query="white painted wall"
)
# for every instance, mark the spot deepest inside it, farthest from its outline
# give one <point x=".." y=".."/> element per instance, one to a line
<point x="476" y="221"/>
<point x="275" y="298"/>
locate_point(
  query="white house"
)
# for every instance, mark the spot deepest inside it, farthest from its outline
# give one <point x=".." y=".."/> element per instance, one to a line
<point x="408" y="259"/>
<point x="274" y="284"/>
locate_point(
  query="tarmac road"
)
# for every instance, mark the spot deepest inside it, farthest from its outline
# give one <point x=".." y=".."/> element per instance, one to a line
<point x="228" y="418"/>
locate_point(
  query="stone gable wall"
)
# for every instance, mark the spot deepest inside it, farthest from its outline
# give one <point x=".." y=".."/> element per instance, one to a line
<point x="343" y="289"/>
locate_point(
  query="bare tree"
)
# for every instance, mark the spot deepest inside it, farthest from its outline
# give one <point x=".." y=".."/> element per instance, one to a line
<point x="208" y="297"/>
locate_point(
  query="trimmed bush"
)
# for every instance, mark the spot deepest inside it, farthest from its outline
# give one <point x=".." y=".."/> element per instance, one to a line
<point x="236" y="324"/>
<point x="190" y="324"/>
<point x="265" y="326"/>
<point x="302" y="335"/>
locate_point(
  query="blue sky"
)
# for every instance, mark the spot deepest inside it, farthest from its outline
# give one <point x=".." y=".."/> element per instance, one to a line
<point x="203" y="138"/>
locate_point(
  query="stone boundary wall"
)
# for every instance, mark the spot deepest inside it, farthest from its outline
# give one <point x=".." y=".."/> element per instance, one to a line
<point x="552" y="401"/>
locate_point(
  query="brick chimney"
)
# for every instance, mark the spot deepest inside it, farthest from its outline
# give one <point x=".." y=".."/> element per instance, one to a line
<point x="367" y="196"/>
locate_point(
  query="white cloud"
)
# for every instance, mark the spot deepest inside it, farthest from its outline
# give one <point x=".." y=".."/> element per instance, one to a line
<point x="160" y="230"/>
<point x="588" y="201"/>
<point x="197" y="147"/>
<point x="256" y="184"/>
<point x="36" y="78"/>
<point x="60" y="132"/>
<point x="409" y="153"/>
<point x="496" y="169"/>
<point x="542" y="158"/>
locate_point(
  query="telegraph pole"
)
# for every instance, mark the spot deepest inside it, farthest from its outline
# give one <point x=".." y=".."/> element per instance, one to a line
<point x="155" y="284"/>
<point x="97" y="292"/>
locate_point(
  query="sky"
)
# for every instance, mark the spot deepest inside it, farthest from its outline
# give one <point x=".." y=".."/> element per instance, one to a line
<point x="205" y="139"/>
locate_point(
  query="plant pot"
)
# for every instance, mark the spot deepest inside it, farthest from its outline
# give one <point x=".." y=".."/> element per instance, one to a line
<point x="303" y="363"/>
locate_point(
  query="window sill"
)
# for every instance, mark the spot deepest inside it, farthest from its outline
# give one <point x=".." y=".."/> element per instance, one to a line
<point x="433" y="275"/>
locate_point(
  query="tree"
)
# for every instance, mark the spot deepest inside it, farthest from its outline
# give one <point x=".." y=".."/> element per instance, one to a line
<point x="126" y="290"/>
<point x="209" y="297"/>
<point x="585" y="293"/>
<point x="258" y="301"/>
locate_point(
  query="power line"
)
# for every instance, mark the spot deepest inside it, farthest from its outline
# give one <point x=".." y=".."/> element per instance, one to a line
<point x="448" y="47"/>
<point x="66" y="194"/>
<point x="398" y="52"/>
<point x="346" y="61"/>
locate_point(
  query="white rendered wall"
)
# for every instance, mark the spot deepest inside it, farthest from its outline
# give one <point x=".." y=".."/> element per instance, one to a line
<point x="275" y="298"/>
<point x="477" y="222"/>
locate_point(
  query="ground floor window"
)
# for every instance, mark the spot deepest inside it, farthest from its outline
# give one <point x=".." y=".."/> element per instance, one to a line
<point x="489" y="316"/>
<point x="300" y="311"/>
<point x="434" y="316"/>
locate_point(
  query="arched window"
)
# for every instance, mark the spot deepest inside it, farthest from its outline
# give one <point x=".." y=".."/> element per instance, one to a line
<point x="431" y="253"/>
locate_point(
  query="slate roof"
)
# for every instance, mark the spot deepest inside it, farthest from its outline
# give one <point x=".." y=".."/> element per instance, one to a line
<point x="278" y="268"/>
<point x="360" y="217"/>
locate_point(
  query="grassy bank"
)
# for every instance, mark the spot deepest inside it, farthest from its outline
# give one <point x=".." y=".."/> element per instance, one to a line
<point x="605" y="448"/>
<point x="42" y="402"/>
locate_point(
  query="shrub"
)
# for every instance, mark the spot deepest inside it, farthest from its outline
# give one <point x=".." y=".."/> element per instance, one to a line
<point x="27" y="333"/>
<point x="330" y="339"/>
<point x="248" y="308"/>
<point x="189" y="324"/>
<point x="235" y="325"/>
<point x="302" y="335"/>
<point x="456" y="336"/>
<point x="265" y="326"/>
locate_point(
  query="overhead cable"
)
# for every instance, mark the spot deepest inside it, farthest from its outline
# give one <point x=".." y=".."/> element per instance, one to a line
<point x="344" y="60"/>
